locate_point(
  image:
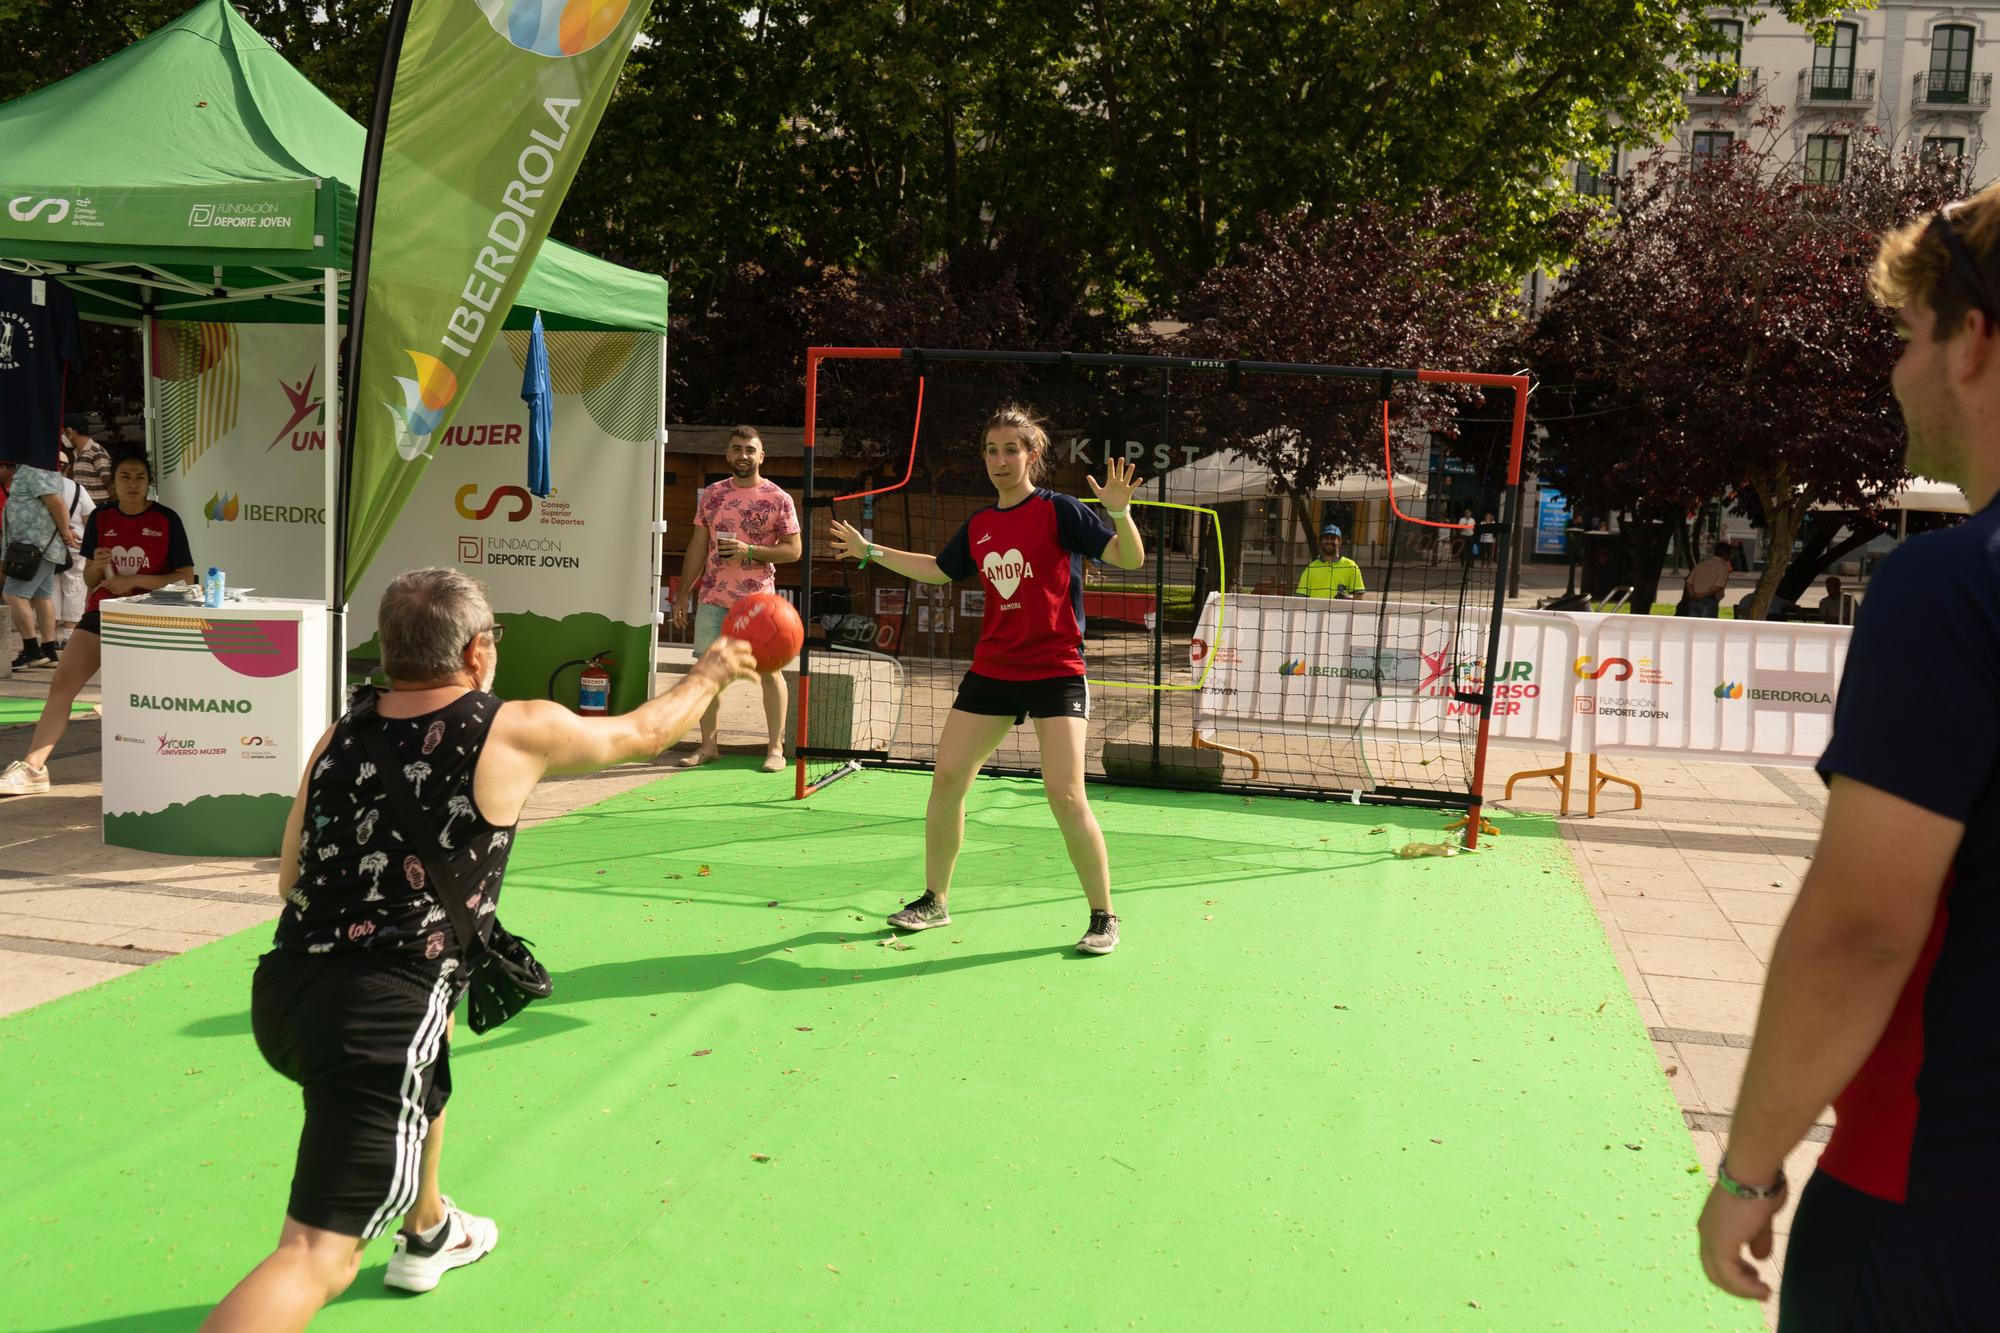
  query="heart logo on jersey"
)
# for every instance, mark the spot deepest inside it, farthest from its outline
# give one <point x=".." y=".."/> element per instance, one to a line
<point x="1005" y="570"/>
<point x="128" y="559"/>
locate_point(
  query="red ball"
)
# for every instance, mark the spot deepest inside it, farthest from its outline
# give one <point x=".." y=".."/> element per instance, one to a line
<point x="768" y="624"/>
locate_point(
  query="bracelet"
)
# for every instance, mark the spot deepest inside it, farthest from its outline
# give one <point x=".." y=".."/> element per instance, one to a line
<point x="1730" y="1185"/>
<point x="1116" y="514"/>
<point x="868" y="553"/>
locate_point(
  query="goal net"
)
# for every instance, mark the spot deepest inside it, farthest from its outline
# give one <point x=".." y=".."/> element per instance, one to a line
<point x="1326" y="549"/>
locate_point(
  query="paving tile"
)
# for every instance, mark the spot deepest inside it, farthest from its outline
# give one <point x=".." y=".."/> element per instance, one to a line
<point x="1764" y="876"/>
<point x="1686" y="1095"/>
<point x="1717" y="1072"/>
<point x="1706" y="1006"/>
<point x="107" y="906"/>
<point x="1757" y="909"/>
<point x="161" y="940"/>
<point x="1760" y="940"/>
<point x="1669" y="884"/>
<point x="1653" y="916"/>
<point x="1626" y="854"/>
<point x="54" y="928"/>
<point x="1693" y="956"/>
<point x="28" y="979"/>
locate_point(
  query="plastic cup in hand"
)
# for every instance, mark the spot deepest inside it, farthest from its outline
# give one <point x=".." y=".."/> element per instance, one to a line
<point x="727" y="542"/>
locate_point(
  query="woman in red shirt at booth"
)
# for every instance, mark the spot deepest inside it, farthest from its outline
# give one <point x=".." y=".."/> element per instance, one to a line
<point x="1028" y="550"/>
<point x="132" y="546"/>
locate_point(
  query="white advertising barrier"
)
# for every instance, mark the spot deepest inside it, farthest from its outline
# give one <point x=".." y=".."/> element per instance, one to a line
<point x="1303" y="665"/>
<point x="209" y="714"/>
<point x="1750" y="691"/>
<point x="241" y="459"/>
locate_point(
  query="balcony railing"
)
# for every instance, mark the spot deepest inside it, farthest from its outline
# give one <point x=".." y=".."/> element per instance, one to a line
<point x="1944" y="90"/>
<point x="1836" y="87"/>
<point x="1747" y="80"/>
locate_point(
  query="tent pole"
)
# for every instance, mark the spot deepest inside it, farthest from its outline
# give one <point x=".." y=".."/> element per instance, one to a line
<point x="336" y="618"/>
<point x="149" y="393"/>
<point x="659" y="527"/>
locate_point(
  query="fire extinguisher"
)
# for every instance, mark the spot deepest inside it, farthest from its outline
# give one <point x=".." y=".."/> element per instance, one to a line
<point x="593" y="686"/>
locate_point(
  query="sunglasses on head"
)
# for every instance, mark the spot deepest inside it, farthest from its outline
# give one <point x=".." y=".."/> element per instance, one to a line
<point x="1962" y="260"/>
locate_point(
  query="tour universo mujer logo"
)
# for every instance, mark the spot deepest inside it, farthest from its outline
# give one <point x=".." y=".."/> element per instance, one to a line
<point x="555" y="28"/>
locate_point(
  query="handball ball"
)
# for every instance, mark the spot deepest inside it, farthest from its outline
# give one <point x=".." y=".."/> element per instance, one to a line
<point x="768" y="624"/>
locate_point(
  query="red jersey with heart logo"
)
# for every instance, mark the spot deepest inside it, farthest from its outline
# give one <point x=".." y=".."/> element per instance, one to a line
<point x="150" y="542"/>
<point x="1030" y="558"/>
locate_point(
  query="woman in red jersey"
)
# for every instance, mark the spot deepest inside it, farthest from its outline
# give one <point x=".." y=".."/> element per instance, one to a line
<point x="1027" y="549"/>
<point x="135" y="545"/>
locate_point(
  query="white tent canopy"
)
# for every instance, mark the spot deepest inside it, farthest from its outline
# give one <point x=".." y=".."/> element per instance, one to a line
<point x="1232" y="475"/>
<point x="1921" y="495"/>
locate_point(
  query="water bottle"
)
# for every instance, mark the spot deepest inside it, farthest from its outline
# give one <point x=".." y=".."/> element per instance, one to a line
<point x="211" y="587"/>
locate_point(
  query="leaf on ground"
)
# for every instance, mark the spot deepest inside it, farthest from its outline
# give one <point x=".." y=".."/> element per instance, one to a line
<point x="705" y="1051"/>
<point x="831" y="1269"/>
<point x="1379" y="828"/>
<point x="760" y="1157"/>
<point x="893" y="943"/>
<point x="702" y="871"/>
<point x="802" y="1029"/>
<point x="772" y="903"/>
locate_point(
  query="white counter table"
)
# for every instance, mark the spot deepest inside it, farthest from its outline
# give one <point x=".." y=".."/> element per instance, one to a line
<point x="209" y="714"/>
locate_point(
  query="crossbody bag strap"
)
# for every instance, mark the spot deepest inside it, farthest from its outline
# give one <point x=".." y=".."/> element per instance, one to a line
<point x="421" y="833"/>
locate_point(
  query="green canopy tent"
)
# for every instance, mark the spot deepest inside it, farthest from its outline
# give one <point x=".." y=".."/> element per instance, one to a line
<point x="196" y="175"/>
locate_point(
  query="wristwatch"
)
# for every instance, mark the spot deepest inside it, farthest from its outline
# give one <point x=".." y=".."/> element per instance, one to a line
<point x="1730" y="1185"/>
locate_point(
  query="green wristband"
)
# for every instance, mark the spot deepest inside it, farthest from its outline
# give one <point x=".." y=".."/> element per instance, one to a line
<point x="867" y="554"/>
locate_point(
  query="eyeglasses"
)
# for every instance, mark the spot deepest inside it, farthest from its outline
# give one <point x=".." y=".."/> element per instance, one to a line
<point x="496" y="630"/>
<point x="1968" y="268"/>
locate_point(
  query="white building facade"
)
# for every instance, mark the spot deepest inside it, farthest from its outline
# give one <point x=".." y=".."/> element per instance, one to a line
<point x="1922" y="73"/>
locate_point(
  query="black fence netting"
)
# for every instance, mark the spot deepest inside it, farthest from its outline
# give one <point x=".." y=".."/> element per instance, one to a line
<point x="1321" y="589"/>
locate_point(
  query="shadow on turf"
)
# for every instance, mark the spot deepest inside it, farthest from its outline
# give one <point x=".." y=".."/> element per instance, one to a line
<point x="367" y="1286"/>
<point x="763" y="966"/>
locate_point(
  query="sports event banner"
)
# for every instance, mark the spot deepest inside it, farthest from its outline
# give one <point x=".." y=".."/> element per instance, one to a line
<point x="209" y="715"/>
<point x="1756" y="691"/>
<point x="494" y="104"/>
<point x="240" y="439"/>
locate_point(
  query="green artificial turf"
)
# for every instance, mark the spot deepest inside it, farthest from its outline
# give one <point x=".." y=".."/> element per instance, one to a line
<point x="22" y="712"/>
<point x="1316" y="1087"/>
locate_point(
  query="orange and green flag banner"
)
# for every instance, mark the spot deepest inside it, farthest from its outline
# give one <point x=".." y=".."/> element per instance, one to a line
<point x="489" y="106"/>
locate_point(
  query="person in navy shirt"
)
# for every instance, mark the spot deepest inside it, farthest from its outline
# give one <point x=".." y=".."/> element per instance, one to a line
<point x="1027" y="549"/>
<point x="1884" y="990"/>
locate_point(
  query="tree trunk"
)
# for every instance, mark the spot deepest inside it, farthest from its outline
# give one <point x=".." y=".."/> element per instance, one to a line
<point x="1824" y="548"/>
<point x="1781" y="528"/>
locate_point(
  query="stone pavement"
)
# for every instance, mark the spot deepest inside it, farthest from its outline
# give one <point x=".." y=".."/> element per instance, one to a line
<point x="1691" y="891"/>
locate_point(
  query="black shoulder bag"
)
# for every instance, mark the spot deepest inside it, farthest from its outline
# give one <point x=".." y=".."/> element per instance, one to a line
<point x="503" y="978"/>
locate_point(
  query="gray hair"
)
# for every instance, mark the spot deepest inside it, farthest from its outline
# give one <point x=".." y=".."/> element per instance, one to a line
<point x="427" y="618"/>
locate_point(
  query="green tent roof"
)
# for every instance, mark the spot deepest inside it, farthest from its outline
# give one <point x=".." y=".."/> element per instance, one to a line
<point x="200" y="162"/>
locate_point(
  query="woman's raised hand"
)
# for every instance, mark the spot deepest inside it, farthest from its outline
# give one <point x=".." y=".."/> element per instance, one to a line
<point x="1120" y="480"/>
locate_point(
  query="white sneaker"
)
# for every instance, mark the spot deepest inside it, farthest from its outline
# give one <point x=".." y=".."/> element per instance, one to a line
<point x="20" y="780"/>
<point x="466" y="1239"/>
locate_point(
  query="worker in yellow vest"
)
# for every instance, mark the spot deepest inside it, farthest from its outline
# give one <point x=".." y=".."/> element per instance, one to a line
<point x="1333" y="574"/>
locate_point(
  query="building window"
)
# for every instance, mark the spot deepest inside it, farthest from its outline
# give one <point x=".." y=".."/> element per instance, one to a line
<point x="1594" y="184"/>
<point x="1729" y="38"/>
<point x="1939" y="150"/>
<point x="1951" y="64"/>
<point x="1833" y="65"/>
<point x="1826" y="159"/>
<point x="1711" y="144"/>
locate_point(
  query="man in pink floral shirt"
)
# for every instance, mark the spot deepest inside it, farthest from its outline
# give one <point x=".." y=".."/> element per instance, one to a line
<point x="744" y="528"/>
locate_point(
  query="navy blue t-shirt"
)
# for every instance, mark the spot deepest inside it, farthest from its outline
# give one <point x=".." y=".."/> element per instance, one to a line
<point x="1030" y="558"/>
<point x="1919" y="717"/>
<point x="38" y="346"/>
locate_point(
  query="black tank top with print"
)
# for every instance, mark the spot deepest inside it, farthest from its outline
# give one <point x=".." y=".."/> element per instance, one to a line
<point x="360" y="888"/>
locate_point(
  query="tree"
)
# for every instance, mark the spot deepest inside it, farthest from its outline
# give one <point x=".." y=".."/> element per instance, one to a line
<point x="1718" y="339"/>
<point x="1363" y="285"/>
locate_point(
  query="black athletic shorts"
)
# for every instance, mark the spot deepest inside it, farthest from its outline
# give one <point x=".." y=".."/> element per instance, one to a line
<point x="90" y="624"/>
<point x="1055" y="696"/>
<point x="1856" y="1263"/>
<point x="366" y="1044"/>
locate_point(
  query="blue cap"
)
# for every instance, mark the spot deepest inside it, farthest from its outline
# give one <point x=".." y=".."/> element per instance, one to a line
<point x="1331" y="530"/>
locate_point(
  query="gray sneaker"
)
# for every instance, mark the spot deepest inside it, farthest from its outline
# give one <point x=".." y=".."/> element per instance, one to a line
<point x="922" y="914"/>
<point x="1102" y="937"/>
<point x="20" y="780"/>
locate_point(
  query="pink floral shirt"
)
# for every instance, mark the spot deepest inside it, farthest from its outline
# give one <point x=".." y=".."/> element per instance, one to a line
<point x="762" y="515"/>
